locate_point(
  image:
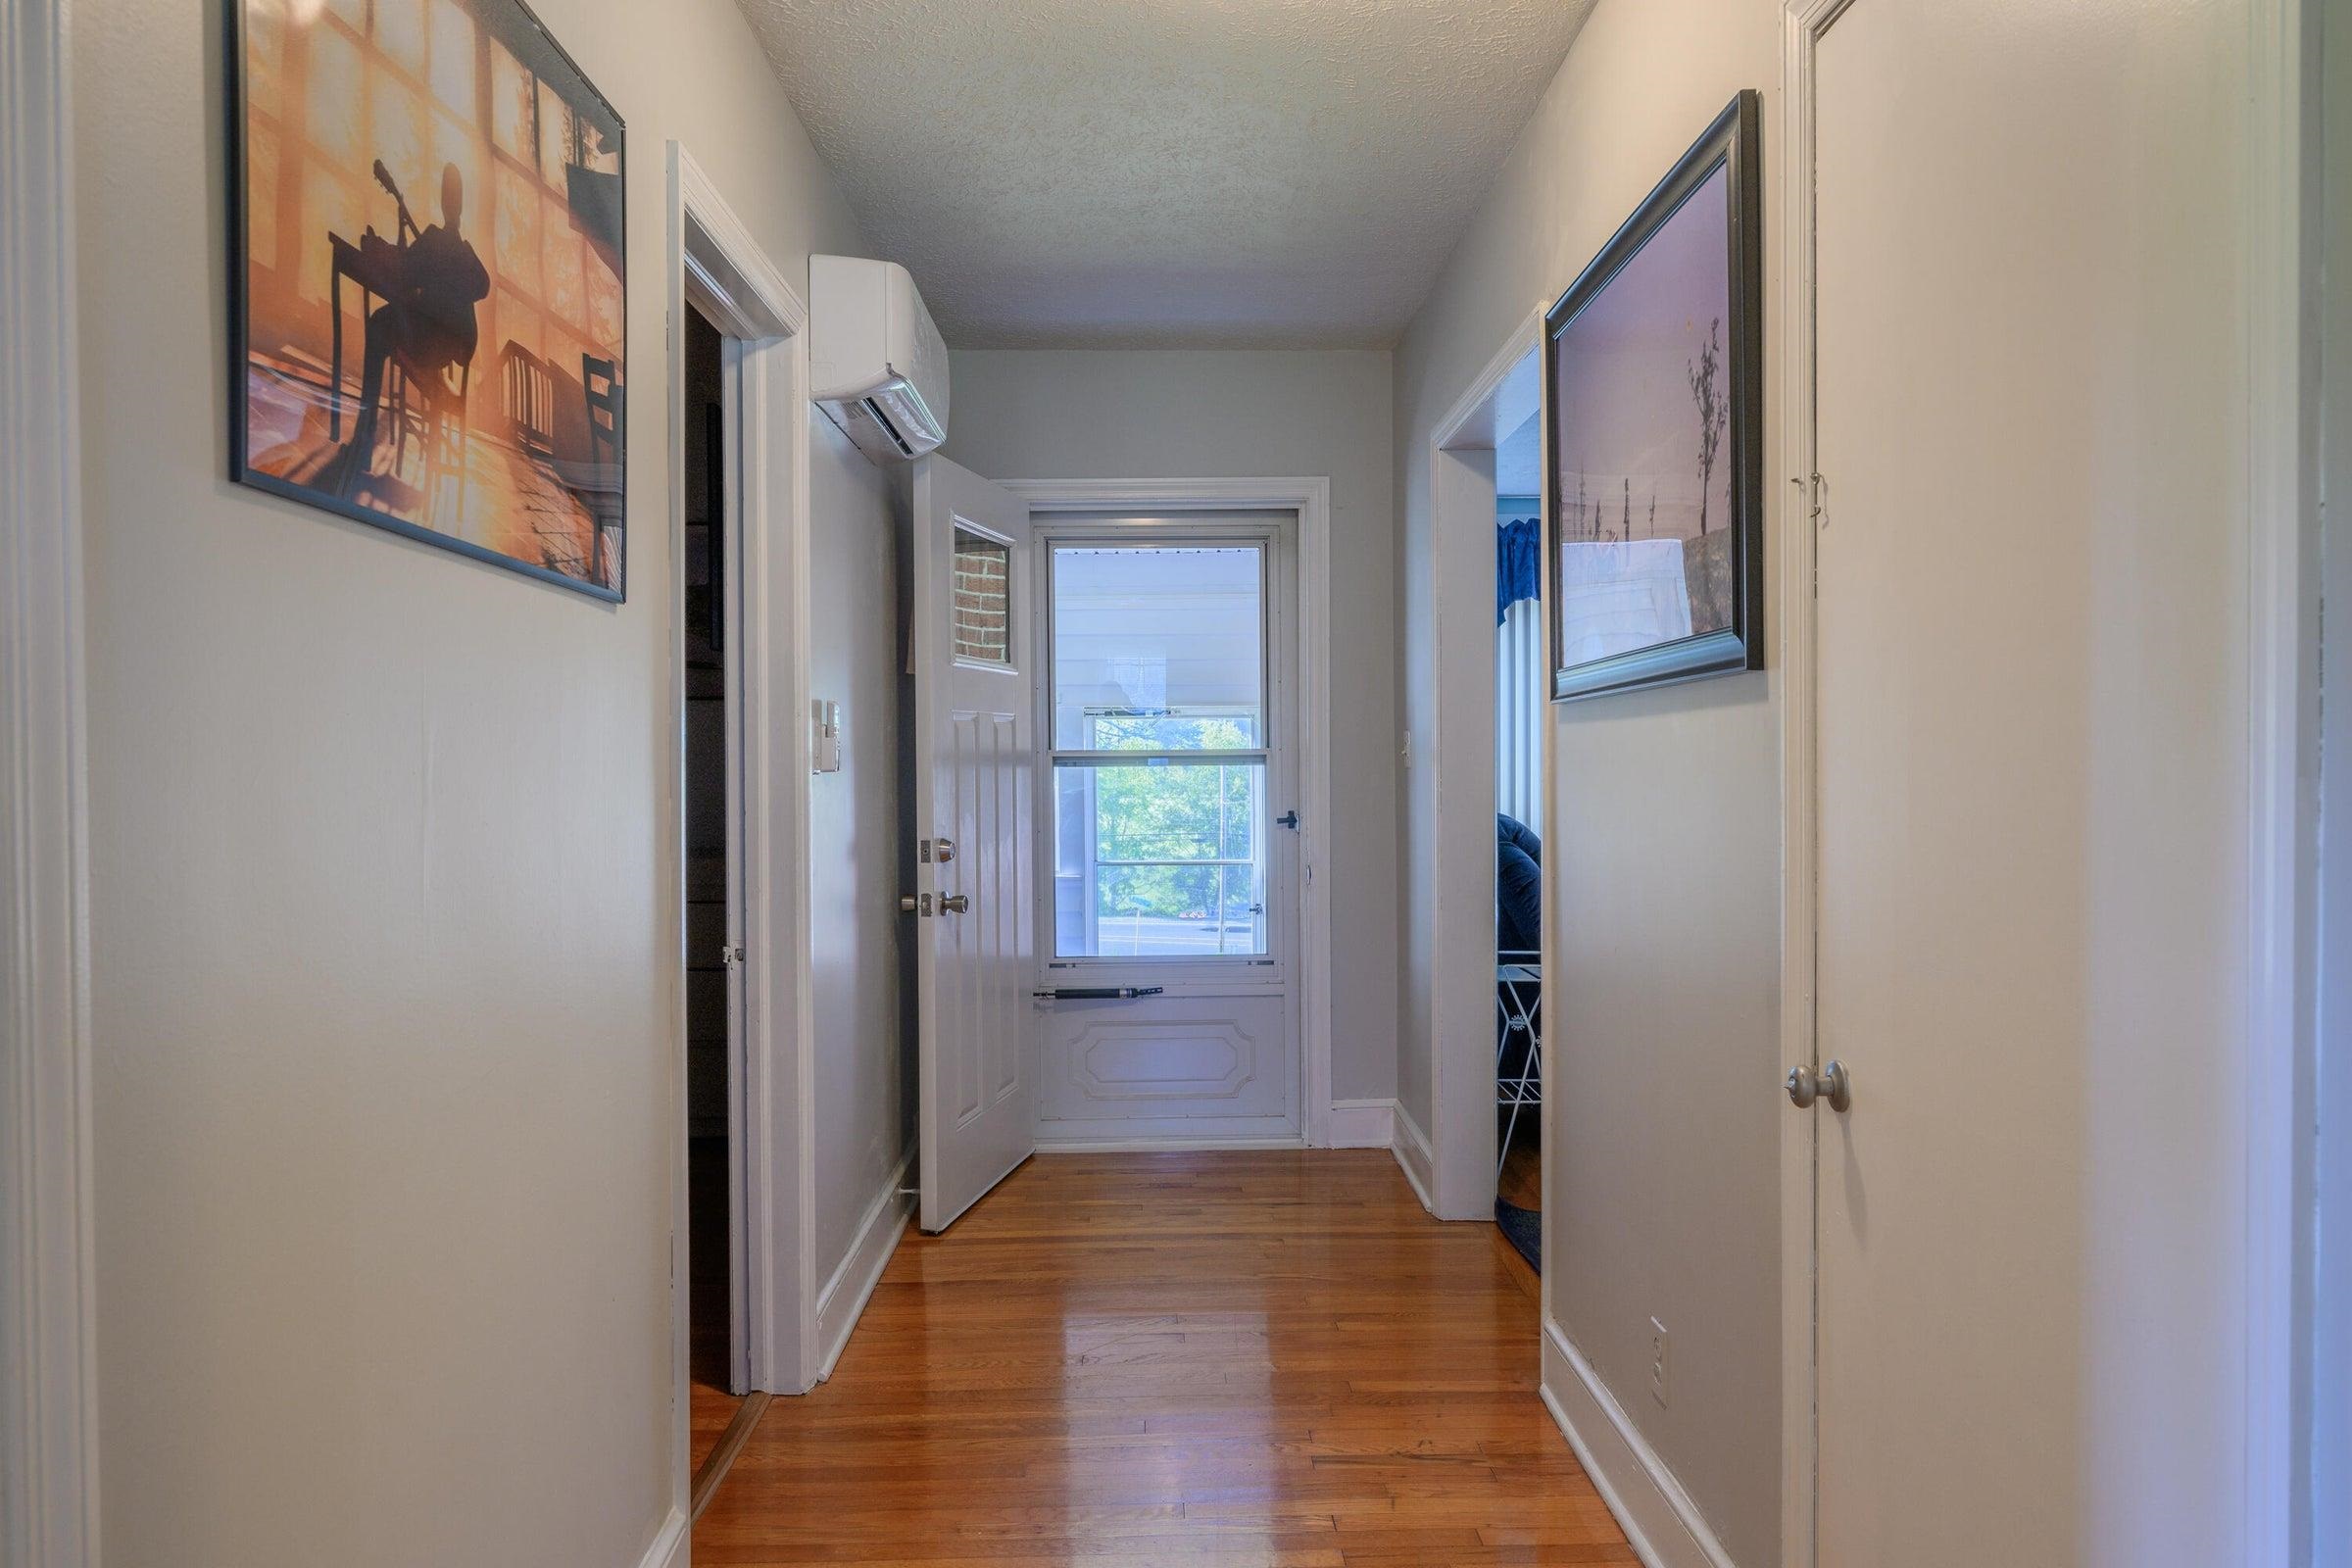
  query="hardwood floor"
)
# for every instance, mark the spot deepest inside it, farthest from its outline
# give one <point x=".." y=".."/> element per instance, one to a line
<point x="1522" y="1178"/>
<point x="709" y="1413"/>
<point x="1252" y="1360"/>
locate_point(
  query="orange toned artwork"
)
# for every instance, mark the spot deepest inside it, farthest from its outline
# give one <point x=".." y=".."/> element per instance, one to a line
<point x="429" y="309"/>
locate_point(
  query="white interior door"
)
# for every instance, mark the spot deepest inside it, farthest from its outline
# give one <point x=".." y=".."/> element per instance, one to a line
<point x="974" y="784"/>
<point x="1970" y="249"/>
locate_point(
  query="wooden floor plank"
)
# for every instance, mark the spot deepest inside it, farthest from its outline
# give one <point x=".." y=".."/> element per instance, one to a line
<point x="1267" y="1358"/>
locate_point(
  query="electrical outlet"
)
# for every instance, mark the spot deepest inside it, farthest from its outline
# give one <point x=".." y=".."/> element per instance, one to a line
<point x="1658" y="1348"/>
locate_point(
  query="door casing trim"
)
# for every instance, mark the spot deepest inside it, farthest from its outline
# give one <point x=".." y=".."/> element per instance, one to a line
<point x="48" y="1364"/>
<point x="715" y="263"/>
<point x="1460" y="755"/>
<point x="1309" y="498"/>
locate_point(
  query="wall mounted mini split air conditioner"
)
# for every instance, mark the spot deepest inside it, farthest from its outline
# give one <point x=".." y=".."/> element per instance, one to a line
<point x="876" y="365"/>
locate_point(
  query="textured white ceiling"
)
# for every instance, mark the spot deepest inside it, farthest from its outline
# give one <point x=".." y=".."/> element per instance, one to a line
<point x="1141" y="173"/>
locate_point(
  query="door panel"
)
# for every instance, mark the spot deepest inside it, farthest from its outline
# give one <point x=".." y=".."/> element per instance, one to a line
<point x="1966" y="294"/>
<point x="1166" y="1066"/>
<point x="974" y="787"/>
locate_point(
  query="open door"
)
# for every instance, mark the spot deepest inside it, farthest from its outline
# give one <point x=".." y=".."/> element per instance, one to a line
<point x="974" y="900"/>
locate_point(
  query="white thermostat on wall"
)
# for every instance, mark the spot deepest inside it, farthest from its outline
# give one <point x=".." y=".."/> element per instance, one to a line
<point x="824" y="722"/>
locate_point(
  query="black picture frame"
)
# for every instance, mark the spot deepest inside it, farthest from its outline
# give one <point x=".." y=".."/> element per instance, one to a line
<point x="598" y="194"/>
<point x="1733" y="144"/>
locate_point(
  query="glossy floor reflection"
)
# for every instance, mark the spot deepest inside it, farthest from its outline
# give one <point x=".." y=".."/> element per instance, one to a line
<point x="1222" y="1358"/>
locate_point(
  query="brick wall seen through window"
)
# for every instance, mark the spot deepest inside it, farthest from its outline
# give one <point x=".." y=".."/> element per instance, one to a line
<point x="983" y="602"/>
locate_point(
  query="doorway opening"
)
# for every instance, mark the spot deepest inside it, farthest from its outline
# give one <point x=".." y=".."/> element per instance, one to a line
<point x="1520" y="713"/>
<point x="708" y="624"/>
<point x="1491" y="751"/>
<point x="1121" y="770"/>
<point x="741" y="1277"/>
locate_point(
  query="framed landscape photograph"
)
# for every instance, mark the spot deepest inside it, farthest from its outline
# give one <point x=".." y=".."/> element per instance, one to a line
<point x="427" y="298"/>
<point x="1654" y="432"/>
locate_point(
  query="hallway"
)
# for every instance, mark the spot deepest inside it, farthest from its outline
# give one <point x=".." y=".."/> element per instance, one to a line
<point x="1254" y="1358"/>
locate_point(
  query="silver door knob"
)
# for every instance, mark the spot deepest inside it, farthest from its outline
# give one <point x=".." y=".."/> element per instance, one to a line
<point x="942" y="850"/>
<point x="1829" y="1082"/>
<point x="954" y="902"/>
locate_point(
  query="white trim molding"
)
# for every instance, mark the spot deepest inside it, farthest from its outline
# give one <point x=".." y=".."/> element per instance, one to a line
<point x="670" y="1543"/>
<point x="1661" y="1523"/>
<point x="1410" y="1145"/>
<point x="48" y="1378"/>
<point x="1460" y="755"/>
<point x="842" y="1303"/>
<point x="715" y="265"/>
<point x="1362" y="1124"/>
<point x="2277" y="1076"/>
<point x="1310" y="499"/>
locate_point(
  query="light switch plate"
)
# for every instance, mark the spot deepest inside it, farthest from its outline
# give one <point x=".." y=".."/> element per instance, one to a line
<point x="824" y="719"/>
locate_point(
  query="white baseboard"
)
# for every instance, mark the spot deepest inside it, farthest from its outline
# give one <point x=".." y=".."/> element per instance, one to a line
<point x="1362" y="1123"/>
<point x="668" y="1549"/>
<point x="1660" y="1522"/>
<point x="1411" y="1145"/>
<point x="1161" y="1144"/>
<point x="843" y="1300"/>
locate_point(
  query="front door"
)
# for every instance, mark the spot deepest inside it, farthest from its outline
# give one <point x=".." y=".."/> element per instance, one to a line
<point x="974" y="790"/>
<point x="1167" y="879"/>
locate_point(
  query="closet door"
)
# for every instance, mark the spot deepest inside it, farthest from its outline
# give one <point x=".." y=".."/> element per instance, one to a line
<point x="2025" y="379"/>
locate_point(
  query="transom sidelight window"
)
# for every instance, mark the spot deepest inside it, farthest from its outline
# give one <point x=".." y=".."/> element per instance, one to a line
<point x="1159" y="751"/>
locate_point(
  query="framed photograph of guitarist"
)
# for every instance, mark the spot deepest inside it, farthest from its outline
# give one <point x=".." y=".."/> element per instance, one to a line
<point x="427" y="303"/>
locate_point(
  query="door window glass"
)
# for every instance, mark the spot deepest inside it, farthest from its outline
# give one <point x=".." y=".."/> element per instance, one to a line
<point x="1160" y="758"/>
<point x="982" y="612"/>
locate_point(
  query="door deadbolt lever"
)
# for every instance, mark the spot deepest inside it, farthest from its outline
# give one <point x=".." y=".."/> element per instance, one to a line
<point x="1829" y="1082"/>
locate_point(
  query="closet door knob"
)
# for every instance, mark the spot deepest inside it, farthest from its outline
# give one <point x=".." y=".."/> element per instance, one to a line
<point x="955" y="903"/>
<point x="1829" y="1082"/>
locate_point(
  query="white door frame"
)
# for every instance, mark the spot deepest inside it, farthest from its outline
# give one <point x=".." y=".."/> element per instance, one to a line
<point x="1310" y="499"/>
<point x="2277" y="1077"/>
<point x="48" y="1373"/>
<point x="715" y="266"/>
<point x="1459" y="1183"/>
<point x="2328" y="1220"/>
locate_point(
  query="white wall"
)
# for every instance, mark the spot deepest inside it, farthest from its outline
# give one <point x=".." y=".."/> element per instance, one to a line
<point x="382" y="890"/>
<point x="1173" y="414"/>
<point x="865" y="1037"/>
<point x="1663" y="850"/>
<point x="1662" y="847"/>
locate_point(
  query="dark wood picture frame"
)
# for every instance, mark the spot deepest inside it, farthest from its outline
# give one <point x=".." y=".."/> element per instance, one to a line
<point x="518" y="29"/>
<point x="1734" y="144"/>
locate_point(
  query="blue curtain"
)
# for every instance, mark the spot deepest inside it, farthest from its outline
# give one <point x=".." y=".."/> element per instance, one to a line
<point x="1518" y="558"/>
